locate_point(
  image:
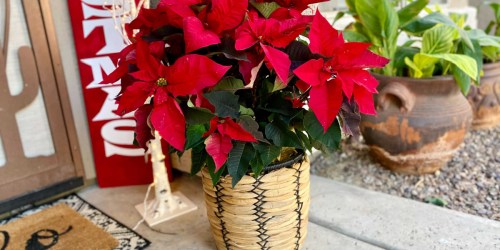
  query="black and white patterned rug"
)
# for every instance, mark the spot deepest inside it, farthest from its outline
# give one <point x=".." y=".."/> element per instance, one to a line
<point x="128" y="239"/>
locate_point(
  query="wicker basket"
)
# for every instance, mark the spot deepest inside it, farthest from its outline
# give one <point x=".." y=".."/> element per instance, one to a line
<point x="270" y="212"/>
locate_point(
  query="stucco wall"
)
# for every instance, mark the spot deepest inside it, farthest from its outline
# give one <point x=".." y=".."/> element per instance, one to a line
<point x="485" y="13"/>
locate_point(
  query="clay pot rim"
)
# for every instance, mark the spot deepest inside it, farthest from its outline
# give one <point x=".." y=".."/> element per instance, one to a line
<point x="445" y="78"/>
<point x="491" y="65"/>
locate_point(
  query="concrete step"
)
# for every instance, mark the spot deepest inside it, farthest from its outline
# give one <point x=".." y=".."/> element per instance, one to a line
<point x="392" y="222"/>
<point x="192" y="230"/>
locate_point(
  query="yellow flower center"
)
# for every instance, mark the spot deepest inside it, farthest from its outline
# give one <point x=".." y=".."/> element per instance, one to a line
<point x="161" y="82"/>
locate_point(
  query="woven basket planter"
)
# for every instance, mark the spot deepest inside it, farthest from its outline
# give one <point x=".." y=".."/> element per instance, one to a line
<point x="270" y="212"/>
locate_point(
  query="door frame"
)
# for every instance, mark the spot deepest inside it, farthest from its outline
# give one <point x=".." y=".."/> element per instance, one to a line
<point x="62" y="91"/>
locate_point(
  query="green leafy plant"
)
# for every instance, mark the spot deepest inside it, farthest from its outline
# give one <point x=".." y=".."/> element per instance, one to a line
<point x="437" y="45"/>
<point x="489" y="39"/>
<point x="494" y="25"/>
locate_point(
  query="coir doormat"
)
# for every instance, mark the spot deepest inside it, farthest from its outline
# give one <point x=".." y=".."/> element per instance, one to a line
<point x="68" y="223"/>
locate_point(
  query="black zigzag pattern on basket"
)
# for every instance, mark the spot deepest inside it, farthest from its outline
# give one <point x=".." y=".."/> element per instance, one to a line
<point x="220" y="210"/>
<point x="261" y="215"/>
<point x="299" y="206"/>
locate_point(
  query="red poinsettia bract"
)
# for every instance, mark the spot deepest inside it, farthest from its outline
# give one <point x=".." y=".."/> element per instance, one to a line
<point x="187" y="76"/>
<point x="292" y="8"/>
<point x="220" y="136"/>
<point x="340" y="71"/>
<point x="270" y="34"/>
<point x="204" y="29"/>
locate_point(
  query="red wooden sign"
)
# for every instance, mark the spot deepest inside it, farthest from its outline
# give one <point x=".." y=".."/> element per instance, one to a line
<point x="118" y="162"/>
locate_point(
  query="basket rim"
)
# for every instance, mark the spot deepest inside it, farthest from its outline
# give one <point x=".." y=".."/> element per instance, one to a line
<point x="288" y="163"/>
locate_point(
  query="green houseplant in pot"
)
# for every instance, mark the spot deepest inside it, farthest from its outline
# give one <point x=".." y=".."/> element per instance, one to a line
<point x="422" y="114"/>
<point x="485" y="98"/>
<point x="229" y="80"/>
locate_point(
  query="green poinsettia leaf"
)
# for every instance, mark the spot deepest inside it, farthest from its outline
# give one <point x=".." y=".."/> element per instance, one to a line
<point x="229" y="84"/>
<point x="281" y="135"/>
<point x="235" y="165"/>
<point x="225" y="103"/>
<point x="266" y="9"/>
<point x="239" y="160"/>
<point x="197" y="115"/>
<point x="250" y="125"/>
<point x="198" y="158"/>
<point x="246" y="111"/>
<point x="331" y="139"/>
<point x="211" y="170"/>
<point x="194" y="134"/>
<point x="267" y="153"/>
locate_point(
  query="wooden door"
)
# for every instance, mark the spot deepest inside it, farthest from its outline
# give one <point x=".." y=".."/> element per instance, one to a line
<point x="38" y="114"/>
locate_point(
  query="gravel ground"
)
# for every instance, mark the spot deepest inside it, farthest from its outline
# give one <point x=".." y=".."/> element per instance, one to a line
<point x="469" y="183"/>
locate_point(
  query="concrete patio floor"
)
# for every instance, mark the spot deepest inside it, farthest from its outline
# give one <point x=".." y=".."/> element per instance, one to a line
<point x="341" y="217"/>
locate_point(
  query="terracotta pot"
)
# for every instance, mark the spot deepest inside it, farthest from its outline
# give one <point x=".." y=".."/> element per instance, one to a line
<point x="420" y="123"/>
<point x="485" y="98"/>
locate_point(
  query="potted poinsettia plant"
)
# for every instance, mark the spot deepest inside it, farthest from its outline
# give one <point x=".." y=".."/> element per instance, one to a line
<point x="238" y="83"/>
<point x="422" y="115"/>
<point x="485" y="98"/>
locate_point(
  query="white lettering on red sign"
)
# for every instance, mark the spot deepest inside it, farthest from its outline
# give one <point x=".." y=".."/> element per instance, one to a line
<point x="118" y="133"/>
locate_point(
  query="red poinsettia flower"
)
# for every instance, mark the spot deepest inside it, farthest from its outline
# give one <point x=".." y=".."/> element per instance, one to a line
<point x="341" y="70"/>
<point x="220" y="136"/>
<point x="205" y="28"/>
<point x="187" y="76"/>
<point x="270" y="34"/>
<point x="168" y="12"/>
<point x="292" y="8"/>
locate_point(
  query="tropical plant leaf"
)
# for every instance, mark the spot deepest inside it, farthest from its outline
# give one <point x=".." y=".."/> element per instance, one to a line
<point x="491" y="53"/>
<point x="379" y="18"/>
<point x="462" y="79"/>
<point x="414" y="69"/>
<point x="496" y="10"/>
<point x="425" y="64"/>
<point x="339" y="15"/>
<point x="483" y="38"/>
<point x="401" y="54"/>
<point x="476" y="54"/>
<point x="410" y="11"/>
<point x="438" y="40"/>
<point x="465" y="63"/>
<point x="225" y="103"/>
<point x="420" y="25"/>
<point x="354" y="36"/>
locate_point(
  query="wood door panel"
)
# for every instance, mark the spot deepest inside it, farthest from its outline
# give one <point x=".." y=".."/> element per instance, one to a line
<point x="41" y="71"/>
